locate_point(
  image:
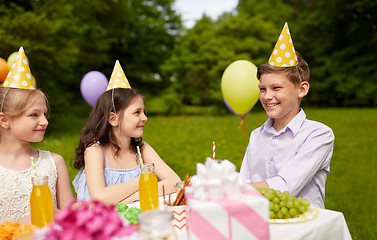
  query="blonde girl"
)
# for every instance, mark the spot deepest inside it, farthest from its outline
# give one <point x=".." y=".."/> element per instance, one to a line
<point x="22" y="121"/>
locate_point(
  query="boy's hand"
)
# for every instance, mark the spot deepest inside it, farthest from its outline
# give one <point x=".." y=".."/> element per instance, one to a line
<point x="259" y="184"/>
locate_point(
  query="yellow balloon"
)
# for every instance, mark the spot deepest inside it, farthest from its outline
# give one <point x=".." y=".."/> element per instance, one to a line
<point x="239" y="86"/>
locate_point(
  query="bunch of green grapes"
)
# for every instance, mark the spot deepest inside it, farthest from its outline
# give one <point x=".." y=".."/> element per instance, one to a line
<point x="282" y="205"/>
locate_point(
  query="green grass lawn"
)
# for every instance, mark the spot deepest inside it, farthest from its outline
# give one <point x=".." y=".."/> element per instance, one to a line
<point x="183" y="141"/>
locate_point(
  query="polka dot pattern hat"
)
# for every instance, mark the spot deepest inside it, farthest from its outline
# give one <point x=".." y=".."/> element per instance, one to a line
<point x="284" y="54"/>
<point x="19" y="75"/>
<point x="118" y="78"/>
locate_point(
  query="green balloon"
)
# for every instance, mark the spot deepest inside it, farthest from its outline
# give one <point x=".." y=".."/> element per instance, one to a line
<point x="239" y="86"/>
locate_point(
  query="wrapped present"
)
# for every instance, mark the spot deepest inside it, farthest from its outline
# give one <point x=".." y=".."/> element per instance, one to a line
<point x="221" y="206"/>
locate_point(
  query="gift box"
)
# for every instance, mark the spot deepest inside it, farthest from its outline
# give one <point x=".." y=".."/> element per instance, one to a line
<point x="217" y="213"/>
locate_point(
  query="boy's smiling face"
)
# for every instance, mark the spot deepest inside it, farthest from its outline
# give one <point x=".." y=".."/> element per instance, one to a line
<point x="281" y="98"/>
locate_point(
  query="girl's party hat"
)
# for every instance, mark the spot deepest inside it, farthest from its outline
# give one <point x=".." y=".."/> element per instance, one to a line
<point x="118" y="79"/>
<point x="284" y="54"/>
<point x="19" y="75"/>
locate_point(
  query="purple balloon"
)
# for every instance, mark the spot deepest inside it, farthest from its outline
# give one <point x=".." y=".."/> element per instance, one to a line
<point x="93" y="84"/>
<point x="231" y="109"/>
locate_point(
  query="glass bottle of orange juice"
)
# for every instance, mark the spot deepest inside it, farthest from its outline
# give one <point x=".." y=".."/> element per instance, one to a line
<point x="41" y="204"/>
<point x="148" y="188"/>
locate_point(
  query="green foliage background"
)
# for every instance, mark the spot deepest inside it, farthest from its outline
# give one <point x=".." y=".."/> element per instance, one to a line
<point x="66" y="39"/>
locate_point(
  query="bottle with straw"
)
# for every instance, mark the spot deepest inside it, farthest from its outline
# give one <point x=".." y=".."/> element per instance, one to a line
<point x="148" y="185"/>
<point x="41" y="204"/>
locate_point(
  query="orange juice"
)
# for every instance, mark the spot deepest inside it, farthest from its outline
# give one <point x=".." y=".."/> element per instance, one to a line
<point x="41" y="204"/>
<point x="148" y="188"/>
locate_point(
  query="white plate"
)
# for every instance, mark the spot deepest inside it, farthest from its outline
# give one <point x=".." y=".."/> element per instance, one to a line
<point x="311" y="213"/>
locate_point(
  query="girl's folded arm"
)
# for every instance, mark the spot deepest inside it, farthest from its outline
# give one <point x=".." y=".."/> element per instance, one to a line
<point x="94" y="165"/>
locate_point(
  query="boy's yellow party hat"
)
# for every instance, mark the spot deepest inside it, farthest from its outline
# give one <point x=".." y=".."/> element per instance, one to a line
<point x="19" y="75"/>
<point x="118" y="79"/>
<point x="284" y="54"/>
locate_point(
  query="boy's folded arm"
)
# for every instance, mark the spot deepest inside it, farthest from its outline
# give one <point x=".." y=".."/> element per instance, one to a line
<point x="277" y="183"/>
<point x="313" y="156"/>
<point x="245" y="169"/>
<point x="259" y="184"/>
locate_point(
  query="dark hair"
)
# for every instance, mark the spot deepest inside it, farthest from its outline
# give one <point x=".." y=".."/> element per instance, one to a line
<point x="296" y="74"/>
<point x="98" y="128"/>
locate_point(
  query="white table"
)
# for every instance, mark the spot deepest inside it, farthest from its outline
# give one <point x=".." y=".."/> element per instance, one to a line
<point x="327" y="225"/>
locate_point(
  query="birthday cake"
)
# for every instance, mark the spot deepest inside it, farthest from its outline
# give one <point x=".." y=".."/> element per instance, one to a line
<point x="223" y="207"/>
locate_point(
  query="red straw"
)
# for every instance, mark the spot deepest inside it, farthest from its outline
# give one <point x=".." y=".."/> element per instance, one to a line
<point x="213" y="151"/>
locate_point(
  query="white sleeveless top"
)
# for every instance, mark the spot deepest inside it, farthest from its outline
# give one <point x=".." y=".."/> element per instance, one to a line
<point x="16" y="187"/>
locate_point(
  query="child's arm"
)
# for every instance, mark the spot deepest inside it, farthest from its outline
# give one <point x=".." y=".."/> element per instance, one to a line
<point x="168" y="178"/>
<point x="94" y="164"/>
<point x="63" y="188"/>
<point x="313" y="156"/>
<point x="246" y="172"/>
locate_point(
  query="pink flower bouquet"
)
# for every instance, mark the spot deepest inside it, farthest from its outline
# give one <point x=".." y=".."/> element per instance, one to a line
<point x="88" y="220"/>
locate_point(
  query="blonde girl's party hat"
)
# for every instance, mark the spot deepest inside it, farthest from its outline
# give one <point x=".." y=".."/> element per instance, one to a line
<point x="118" y="79"/>
<point x="19" y="75"/>
<point x="284" y="54"/>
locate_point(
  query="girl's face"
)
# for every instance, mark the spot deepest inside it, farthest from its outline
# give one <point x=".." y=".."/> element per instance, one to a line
<point x="134" y="118"/>
<point x="30" y="125"/>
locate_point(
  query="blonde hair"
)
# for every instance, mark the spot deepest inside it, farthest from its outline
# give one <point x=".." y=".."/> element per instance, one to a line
<point x="14" y="101"/>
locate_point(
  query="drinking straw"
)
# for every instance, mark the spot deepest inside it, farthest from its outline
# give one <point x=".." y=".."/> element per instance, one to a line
<point x="139" y="156"/>
<point x="213" y="151"/>
<point x="34" y="170"/>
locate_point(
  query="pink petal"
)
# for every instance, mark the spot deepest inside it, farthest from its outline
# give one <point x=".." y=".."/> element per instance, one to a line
<point x="126" y="231"/>
<point x="84" y="217"/>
